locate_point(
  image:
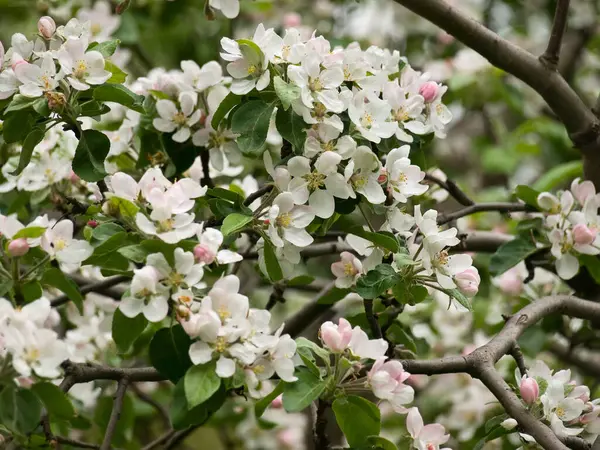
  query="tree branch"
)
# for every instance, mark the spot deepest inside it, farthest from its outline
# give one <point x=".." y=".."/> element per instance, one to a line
<point x="551" y="56"/>
<point x="307" y="315"/>
<point x="74" y="443"/>
<point x="205" y="160"/>
<point x="115" y="413"/>
<point x="372" y="319"/>
<point x="258" y="194"/>
<point x="483" y="207"/>
<point x="95" y="287"/>
<point x="85" y="372"/>
<point x="580" y="121"/>
<point x="452" y="188"/>
<point x="320" y="429"/>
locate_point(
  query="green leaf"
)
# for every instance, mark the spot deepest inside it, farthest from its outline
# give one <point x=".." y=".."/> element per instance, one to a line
<point x="225" y="194"/>
<point x="301" y="280"/>
<point x="30" y="232"/>
<point x="495" y="421"/>
<point x="20" y="102"/>
<point x="118" y="76"/>
<point x="251" y="121"/>
<point x="31" y="291"/>
<point x="33" y="138"/>
<point x="292" y="128"/>
<point x="273" y="267"/>
<point x="226" y="105"/>
<point x="299" y="395"/>
<point x="200" y="383"/>
<point x="592" y="264"/>
<point x="251" y="52"/>
<point x="493" y="434"/>
<point x="41" y="107"/>
<point x="261" y="406"/>
<point x="183" y="417"/>
<point x="376" y="281"/>
<point x="17" y="125"/>
<point x="91" y="152"/>
<point x="302" y="342"/>
<point x="333" y="295"/>
<point x="56" y="278"/>
<point x="398" y="335"/>
<point x="125" y="330"/>
<point x="106" y="230"/>
<point x="135" y="253"/>
<point x="528" y="195"/>
<point x="20" y="409"/>
<point x="118" y="93"/>
<point x="358" y="418"/>
<point x="55" y="400"/>
<point x="234" y="223"/>
<point x="558" y="176"/>
<point x="380" y="239"/>
<point x="107" y="48"/>
<point x="125" y="208"/>
<point x="510" y="254"/>
<point x="169" y="352"/>
<point x="461" y="298"/>
<point x="378" y="443"/>
<point x="287" y="92"/>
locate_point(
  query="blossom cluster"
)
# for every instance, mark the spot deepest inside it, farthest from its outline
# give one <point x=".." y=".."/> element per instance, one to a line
<point x="572" y="223"/>
<point x="559" y="401"/>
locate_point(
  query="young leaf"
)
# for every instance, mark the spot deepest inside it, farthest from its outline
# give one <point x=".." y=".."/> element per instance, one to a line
<point x="31" y="291"/>
<point x="251" y="121"/>
<point x="106" y="230"/>
<point x="261" y="405"/>
<point x="559" y="175"/>
<point x="461" y="298"/>
<point x="510" y="254"/>
<point x="91" y="152"/>
<point x="20" y="409"/>
<point x="118" y="76"/>
<point x="169" y="352"/>
<point x="225" y="106"/>
<point x="29" y="232"/>
<point x="301" y="393"/>
<point x="118" y="93"/>
<point x="20" y="102"/>
<point x="592" y="264"/>
<point x="135" y="253"/>
<point x="358" y="418"/>
<point x="125" y="330"/>
<point x="56" y="278"/>
<point x="107" y="48"/>
<point x="292" y="128"/>
<point x="528" y="195"/>
<point x="234" y="223"/>
<point x="376" y="281"/>
<point x="287" y="92"/>
<point x="200" y="383"/>
<point x="55" y="400"/>
<point x="33" y="138"/>
<point x="273" y="267"/>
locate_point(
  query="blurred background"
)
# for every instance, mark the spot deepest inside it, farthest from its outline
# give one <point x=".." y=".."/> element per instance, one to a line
<point x="502" y="136"/>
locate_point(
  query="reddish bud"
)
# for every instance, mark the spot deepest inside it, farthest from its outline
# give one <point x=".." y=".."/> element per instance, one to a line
<point x="203" y="254"/>
<point x="530" y="391"/>
<point x="46" y="26"/>
<point x="583" y="235"/>
<point x="429" y="91"/>
<point x="92" y="223"/>
<point x="18" y="247"/>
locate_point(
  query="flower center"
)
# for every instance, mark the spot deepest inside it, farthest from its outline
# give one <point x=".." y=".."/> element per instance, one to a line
<point x="315" y="84"/>
<point x="358" y="181"/>
<point x="441" y="259"/>
<point x="45" y="79"/>
<point x="165" y="225"/>
<point x="401" y="115"/>
<point x="252" y="69"/>
<point x="223" y="313"/>
<point x="560" y="412"/>
<point x="349" y="269"/>
<point x="315" y="180"/>
<point x="319" y="110"/>
<point x="32" y="354"/>
<point x="60" y="244"/>
<point x="80" y="69"/>
<point x="258" y="369"/>
<point x="367" y="120"/>
<point x="179" y="118"/>
<point x="220" y="344"/>
<point x="283" y="220"/>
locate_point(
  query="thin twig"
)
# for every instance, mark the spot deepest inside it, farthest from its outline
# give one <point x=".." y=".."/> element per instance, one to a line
<point x="162" y="412"/>
<point x="517" y="355"/>
<point x="206" y="179"/>
<point x="276" y="296"/>
<point x="551" y="55"/>
<point x="160" y="440"/>
<point x="95" y="287"/>
<point x="75" y="443"/>
<point x="459" y="195"/>
<point x="115" y="413"/>
<point x="307" y="315"/>
<point x="372" y="319"/>
<point x="257" y="194"/>
<point x="501" y="207"/>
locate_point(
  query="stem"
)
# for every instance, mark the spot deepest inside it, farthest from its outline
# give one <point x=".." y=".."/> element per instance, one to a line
<point x="320" y="431"/>
<point x="360" y="206"/>
<point x="37" y="266"/>
<point x="115" y="414"/>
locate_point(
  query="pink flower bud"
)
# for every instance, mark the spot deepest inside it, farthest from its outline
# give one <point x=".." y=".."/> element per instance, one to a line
<point x="468" y="281"/>
<point x="530" y="391"/>
<point x="336" y="337"/>
<point x="278" y="402"/>
<point x="74" y="177"/>
<point x="46" y="26"/>
<point x="18" y="247"/>
<point x="25" y="382"/>
<point x="429" y="91"/>
<point x="92" y="223"/>
<point x="583" y="235"/>
<point x="382" y="178"/>
<point x="291" y="20"/>
<point x="203" y="254"/>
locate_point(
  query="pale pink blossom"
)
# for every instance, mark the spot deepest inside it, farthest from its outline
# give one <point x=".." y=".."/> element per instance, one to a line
<point x="18" y="247"/>
<point x="583" y="235"/>
<point x="336" y="337"/>
<point x="530" y="391"/>
<point x="468" y="281"/>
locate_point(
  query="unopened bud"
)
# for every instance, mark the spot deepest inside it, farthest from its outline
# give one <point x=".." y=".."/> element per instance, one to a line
<point x="74" y="177"/>
<point x="509" y="424"/>
<point x="56" y="100"/>
<point x="122" y="7"/>
<point x="291" y="20"/>
<point x="530" y="391"/>
<point x="18" y="247"/>
<point x="382" y="178"/>
<point x="278" y="402"/>
<point x="46" y="26"/>
<point x="92" y="223"/>
<point x="203" y="254"/>
<point x="583" y="235"/>
<point x="468" y="281"/>
<point x="429" y="91"/>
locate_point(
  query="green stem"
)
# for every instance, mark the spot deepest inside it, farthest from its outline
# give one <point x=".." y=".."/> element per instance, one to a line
<point x="364" y="214"/>
<point x="37" y="266"/>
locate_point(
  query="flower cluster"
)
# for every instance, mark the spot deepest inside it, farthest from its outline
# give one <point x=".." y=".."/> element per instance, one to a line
<point x="559" y="401"/>
<point x="572" y="223"/>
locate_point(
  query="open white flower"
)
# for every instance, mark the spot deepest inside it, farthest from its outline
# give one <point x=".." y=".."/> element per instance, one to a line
<point x="387" y="381"/>
<point x="326" y="138"/>
<point x="318" y="84"/>
<point x="207" y="251"/>
<point x="179" y="120"/>
<point x="36" y="350"/>
<point x="425" y="437"/>
<point x="403" y="177"/>
<point x="37" y="79"/>
<point x="370" y="115"/>
<point x="146" y="296"/>
<point x="58" y="242"/>
<point x="362" y="172"/>
<point x="288" y="221"/>
<point x="229" y="8"/>
<point x="82" y="68"/>
<point x="347" y="270"/>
